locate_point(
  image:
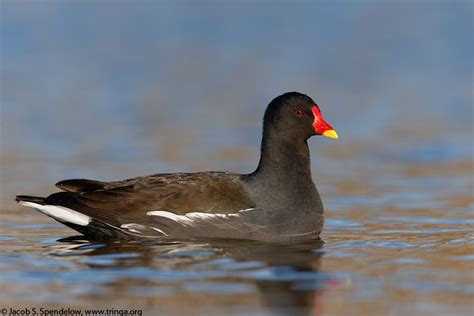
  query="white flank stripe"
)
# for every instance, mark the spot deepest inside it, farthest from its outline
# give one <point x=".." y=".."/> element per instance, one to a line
<point x="168" y="215"/>
<point x="60" y="213"/>
<point x="189" y="218"/>
<point x="199" y="215"/>
<point x="246" y="210"/>
<point x="135" y="228"/>
<point x="160" y="231"/>
<point x="131" y="227"/>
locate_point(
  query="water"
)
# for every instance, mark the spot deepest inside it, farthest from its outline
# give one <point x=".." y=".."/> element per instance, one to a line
<point x="182" y="87"/>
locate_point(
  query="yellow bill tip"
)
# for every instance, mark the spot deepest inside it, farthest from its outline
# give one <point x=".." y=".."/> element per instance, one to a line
<point x="331" y="134"/>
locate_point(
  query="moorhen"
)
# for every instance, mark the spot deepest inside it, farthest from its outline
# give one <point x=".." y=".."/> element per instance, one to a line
<point x="276" y="202"/>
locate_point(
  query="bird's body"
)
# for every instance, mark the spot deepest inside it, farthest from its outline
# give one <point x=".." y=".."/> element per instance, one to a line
<point x="277" y="202"/>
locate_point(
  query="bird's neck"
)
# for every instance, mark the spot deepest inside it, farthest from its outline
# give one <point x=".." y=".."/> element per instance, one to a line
<point x="283" y="159"/>
<point x="284" y="164"/>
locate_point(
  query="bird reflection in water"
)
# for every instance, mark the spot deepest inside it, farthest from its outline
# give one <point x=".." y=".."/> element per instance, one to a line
<point x="285" y="277"/>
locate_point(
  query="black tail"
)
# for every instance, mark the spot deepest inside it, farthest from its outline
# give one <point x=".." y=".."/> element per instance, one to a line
<point x="93" y="230"/>
<point x="29" y="198"/>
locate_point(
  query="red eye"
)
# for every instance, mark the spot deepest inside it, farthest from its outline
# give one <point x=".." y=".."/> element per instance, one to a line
<point x="298" y="113"/>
